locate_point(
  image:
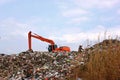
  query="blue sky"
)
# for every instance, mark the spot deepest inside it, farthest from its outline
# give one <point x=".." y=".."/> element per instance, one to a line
<point x="67" y="22"/>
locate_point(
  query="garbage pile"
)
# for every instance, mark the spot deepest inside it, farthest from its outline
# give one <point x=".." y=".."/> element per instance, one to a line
<point x="37" y="65"/>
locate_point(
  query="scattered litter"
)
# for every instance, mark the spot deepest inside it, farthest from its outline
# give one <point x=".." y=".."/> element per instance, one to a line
<point x="36" y="65"/>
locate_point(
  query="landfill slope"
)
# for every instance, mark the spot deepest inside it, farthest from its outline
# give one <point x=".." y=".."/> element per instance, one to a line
<point x="102" y="61"/>
<point x="62" y="65"/>
<point x="37" y="65"/>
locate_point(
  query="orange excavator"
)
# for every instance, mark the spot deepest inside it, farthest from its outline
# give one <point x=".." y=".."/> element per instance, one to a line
<point x="51" y="48"/>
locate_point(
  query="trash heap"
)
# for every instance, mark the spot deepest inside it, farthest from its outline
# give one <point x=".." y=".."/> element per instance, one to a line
<point x="37" y="65"/>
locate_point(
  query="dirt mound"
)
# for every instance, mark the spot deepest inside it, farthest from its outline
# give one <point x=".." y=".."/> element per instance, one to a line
<point x="108" y="42"/>
<point x="102" y="61"/>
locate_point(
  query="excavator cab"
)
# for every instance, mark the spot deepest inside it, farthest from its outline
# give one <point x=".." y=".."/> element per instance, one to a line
<point x="52" y="47"/>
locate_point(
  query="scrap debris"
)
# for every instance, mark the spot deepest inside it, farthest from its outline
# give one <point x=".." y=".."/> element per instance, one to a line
<point x="37" y="65"/>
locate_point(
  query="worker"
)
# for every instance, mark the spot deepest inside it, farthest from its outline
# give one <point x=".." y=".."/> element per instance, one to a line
<point x="80" y="49"/>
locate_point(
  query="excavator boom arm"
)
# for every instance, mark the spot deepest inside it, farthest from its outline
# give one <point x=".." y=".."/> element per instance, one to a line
<point x="37" y="37"/>
<point x="52" y="47"/>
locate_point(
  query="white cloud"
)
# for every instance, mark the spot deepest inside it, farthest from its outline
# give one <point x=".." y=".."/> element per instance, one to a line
<point x="12" y="28"/>
<point x="76" y="15"/>
<point x="73" y="7"/>
<point x="74" y="12"/>
<point x="5" y="1"/>
<point x="76" y="38"/>
<point x="77" y="20"/>
<point x="92" y="35"/>
<point x="96" y="3"/>
<point x="13" y="35"/>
